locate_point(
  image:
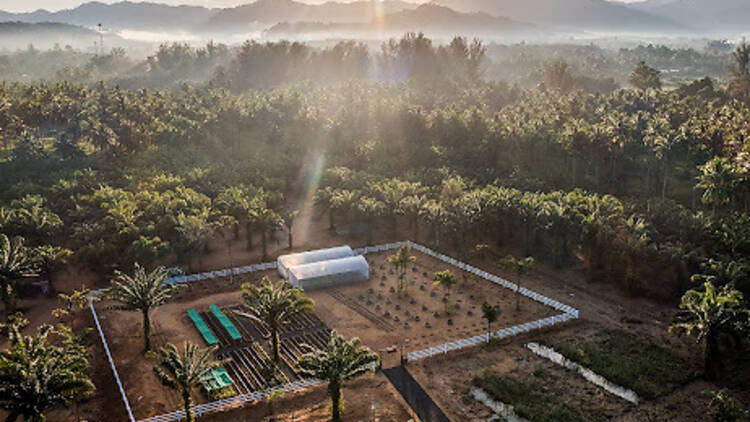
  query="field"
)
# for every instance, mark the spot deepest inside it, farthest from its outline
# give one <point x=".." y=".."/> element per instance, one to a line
<point x="422" y="316"/>
<point x="542" y="391"/>
<point x="387" y="320"/>
<point x="621" y="338"/>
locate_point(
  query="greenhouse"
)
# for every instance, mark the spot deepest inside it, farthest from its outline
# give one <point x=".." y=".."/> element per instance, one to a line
<point x="291" y="260"/>
<point x="329" y="273"/>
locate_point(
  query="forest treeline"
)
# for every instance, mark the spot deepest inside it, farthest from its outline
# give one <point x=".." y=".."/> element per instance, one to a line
<point x="677" y="160"/>
<point x="597" y="69"/>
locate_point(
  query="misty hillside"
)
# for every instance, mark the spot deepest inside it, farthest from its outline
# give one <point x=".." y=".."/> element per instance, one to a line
<point x="715" y="15"/>
<point x="430" y="18"/>
<point x="155" y="16"/>
<point x="275" y="11"/>
<point x="17" y="35"/>
<point x="8" y="29"/>
<point x="123" y="15"/>
<point x="579" y="14"/>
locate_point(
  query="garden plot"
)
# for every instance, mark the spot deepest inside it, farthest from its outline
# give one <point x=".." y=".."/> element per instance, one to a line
<point x="245" y="357"/>
<point x="422" y="314"/>
<point x="538" y="390"/>
<point x="385" y="317"/>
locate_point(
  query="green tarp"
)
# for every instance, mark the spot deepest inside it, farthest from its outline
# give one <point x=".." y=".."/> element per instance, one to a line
<point x="202" y="327"/>
<point x="231" y="329"/>
<point x="216" y="379"/>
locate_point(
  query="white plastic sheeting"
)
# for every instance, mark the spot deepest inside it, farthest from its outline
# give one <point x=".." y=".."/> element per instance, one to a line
<point x="291" y="260"/>
<point x="589" y="375"/>
<point x="329" y="273"/>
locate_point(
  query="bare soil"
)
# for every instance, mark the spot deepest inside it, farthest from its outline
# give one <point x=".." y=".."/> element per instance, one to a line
<point x="418" y="317"/>
<point x="449" y="379"/>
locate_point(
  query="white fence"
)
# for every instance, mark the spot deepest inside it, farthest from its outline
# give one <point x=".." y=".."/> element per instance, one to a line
<point x="240" y="400"/>
<point x="485" y="338"/>
<point x="232" y="402"/>
<point x="111" y="362"/>
<point x="181" y="279"/>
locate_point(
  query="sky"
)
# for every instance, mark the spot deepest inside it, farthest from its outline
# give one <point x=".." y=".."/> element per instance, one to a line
<point x="53" y="5"/>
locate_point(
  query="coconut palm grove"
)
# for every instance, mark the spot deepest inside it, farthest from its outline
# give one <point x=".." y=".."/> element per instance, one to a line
<point x="401" y="230"/>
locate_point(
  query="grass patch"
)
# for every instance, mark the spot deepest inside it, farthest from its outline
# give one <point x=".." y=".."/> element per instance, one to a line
<point x="526" y="399"/>
<point x="640" y="365"/>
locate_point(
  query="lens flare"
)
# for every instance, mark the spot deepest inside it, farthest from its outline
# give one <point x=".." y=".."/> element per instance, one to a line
<point x="307" y="201"/>
<point x="377" y="6"/>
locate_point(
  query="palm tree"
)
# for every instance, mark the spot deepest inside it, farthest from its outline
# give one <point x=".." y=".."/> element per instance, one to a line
<point x="344" y="202"/>
<point x="490" y="314"/>
<point x="273" y="304"/>
<point x="50" y="259"/>
<point x="182" y="370"/>
<point x="644" y="77"/>
<point x="519" y="267"/>
<point x="196" y="230"/>
<point x="725" y="408"/>
<point x="142" y="292"/>
<point x="235" y="201"/>
<point x="287" y="220"/>
<point x="342" y="360"/>
<point x="739" y="86"/>
<point x="711" y="314"/>
<point x="400" y="261"/>
<point x="74" y="301"/>
<point x="719" y="181"/>
<point x="446" y="279"/>
<point x="412" y="206"/>
<point x="16" y="262"/>
<point x="265" y="219"/>
<point x="37" y="374"/>
<point x="370" y="209"/>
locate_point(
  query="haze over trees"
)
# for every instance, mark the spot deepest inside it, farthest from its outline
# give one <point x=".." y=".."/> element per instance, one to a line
<point x="645" y="189"/>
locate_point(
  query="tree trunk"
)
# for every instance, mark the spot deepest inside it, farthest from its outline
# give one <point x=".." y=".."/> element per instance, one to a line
<point x="291" y="245"/>
<point x="710" y="357"/>
<point x="416" y="228"/>
<point x="275" y="344"/>
<point x="331" y="225"/>
<point x="529" y="246"/>
<point x="188" y="406"/>
<point x="249" y="230"/>
<point x="664" y="182"/>
<point x="264" y="242"/>
<point x="146" y="331"/>
<point x="51" y="290"/>
<point x="334" y="390"/>
<point x="231" y="261"/>
<point x="573" y="163"/>
<point x="7" y="296"/>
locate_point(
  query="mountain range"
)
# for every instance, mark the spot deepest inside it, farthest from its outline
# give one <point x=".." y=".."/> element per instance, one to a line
<point x="662" y="16"/>
<point x="713" y="15"/>
<point x="429" y="18"/>
<point x="597" y="15"/>
<point x="122" y="15"/>
<point x="270" y="12"/>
